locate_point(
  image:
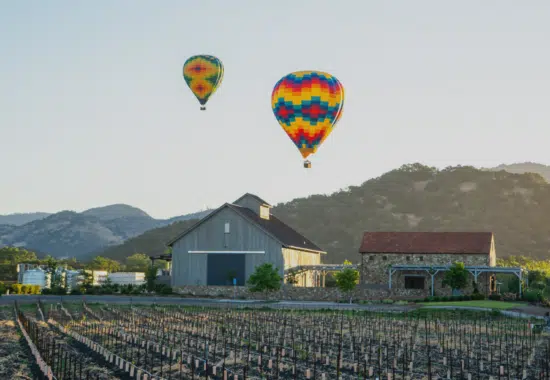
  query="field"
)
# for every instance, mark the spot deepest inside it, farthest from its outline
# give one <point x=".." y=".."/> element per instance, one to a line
<point x="80" y="341"/>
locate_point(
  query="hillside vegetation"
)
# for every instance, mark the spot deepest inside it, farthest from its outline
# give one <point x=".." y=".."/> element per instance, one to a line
<point x="152" y="242"/>
<point x="516" y="207"/>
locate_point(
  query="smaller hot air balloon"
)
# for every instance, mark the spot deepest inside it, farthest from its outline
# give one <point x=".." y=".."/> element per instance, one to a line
<point x="308" y="104"/>
<point x="203" y="74"/>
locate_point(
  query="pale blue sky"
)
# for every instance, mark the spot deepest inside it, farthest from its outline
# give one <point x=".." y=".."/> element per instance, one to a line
<point x="94" y="109"/>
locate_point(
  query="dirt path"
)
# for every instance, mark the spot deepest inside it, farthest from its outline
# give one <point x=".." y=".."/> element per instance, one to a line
<point x="14" y="360"/>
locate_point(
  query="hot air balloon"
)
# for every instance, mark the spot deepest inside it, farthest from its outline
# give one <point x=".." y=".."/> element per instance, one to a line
<point x="203" y="74"/>
<point x="308" y="104"/>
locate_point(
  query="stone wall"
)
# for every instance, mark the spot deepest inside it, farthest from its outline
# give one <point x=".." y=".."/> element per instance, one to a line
<point x="299" y="293"/>
<point x="375" y="270"/>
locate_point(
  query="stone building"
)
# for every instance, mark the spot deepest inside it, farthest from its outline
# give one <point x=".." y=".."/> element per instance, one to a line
<point x="414" y="259"/>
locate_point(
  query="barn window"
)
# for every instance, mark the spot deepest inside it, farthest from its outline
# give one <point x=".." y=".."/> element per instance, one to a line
<point x="384" y="257"/>
<point x="371" y="257"/>
<point x="408" y="258"/>
<point x="226" y="235"/>
<point x="414" y="282"/>
<point x="421" y="258"/>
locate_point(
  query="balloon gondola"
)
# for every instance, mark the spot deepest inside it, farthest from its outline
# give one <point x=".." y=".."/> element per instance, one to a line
<point x="308" y="104"/>
<point x="203" y="74"/>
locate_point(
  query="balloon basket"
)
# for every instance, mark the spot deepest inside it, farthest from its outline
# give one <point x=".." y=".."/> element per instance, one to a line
<point x="203" y="108"/>
<point x="307" y="164"/>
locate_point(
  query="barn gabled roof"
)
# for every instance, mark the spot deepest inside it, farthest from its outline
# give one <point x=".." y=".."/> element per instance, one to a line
<point x="427" y="242"/>
<point x="277" y="229"/>
<point x="253" y="196"/>
<point x="281" y="231"/>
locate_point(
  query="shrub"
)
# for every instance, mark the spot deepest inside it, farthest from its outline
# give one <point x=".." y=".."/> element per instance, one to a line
<point x="467" y="298"/>
<point x="76" y="292"/>
<point x="478" y="297"/>
<point x="532" y="295"/>
<point x="3" y="288"/>
<point x="16" y="288"/>
<point x="387" y="301"/>
<point x="105" y="290"/>
<point x="59" y="291"/>
<point x="495" y="297"/>
<point x="166" y="290"/>
<point x="436" y="299"/>
<point x="46" y="291"/>
<point x="91" y="290"/>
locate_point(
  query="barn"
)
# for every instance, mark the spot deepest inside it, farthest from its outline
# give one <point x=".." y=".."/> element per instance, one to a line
<point x="233" y="240"/>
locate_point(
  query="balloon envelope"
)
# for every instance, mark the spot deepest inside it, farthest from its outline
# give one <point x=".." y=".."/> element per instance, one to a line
<point x="308" y="104"/>
<point x="203" y="74"/>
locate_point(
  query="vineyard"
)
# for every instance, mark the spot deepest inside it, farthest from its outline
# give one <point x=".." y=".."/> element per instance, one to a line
<point x="161" y="342"/>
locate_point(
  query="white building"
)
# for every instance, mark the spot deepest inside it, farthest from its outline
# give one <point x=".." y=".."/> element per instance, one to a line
<point x="36" y="276"/>
<point x="99" y="277"/>
<point x="73" y="279"/>
<point x="127" y="278"/>
<point x="22" y="268"/>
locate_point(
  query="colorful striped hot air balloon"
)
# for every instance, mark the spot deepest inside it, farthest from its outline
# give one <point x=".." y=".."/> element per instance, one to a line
<point x="308" y="104"/>
<point x="203" y="74"/>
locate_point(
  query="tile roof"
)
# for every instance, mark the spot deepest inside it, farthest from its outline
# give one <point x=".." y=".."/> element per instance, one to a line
<point x="288" y="236"/>
<point x="427" y="242"/>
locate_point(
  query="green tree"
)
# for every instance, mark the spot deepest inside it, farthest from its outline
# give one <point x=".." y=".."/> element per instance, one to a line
<point x="71" y="263"/>
<point x="456" y="277"/>
<point x="10" y="257"/>
<point x="87" y="278"/>
<point x="138" y="262"/>
<point x="265" y="278"/>
<point x="103" y="263"/>
<point x="151" y="277"/>
<point x="51" y="268"/>
<point x="347" y="279"/>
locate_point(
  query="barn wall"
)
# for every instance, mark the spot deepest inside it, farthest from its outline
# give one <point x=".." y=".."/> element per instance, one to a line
<point x="294" y="258"/>
<point x="191" y="268"/>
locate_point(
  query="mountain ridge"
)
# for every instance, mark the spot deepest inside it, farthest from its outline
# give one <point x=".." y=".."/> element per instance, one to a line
<point x="81" y="234"/>
<point x="414" y="197"/>
<point x="524" y="167"/>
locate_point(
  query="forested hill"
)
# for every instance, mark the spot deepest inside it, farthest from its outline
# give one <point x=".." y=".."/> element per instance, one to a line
<point x="516" y="207"/>
<point x="152" y="242"/>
